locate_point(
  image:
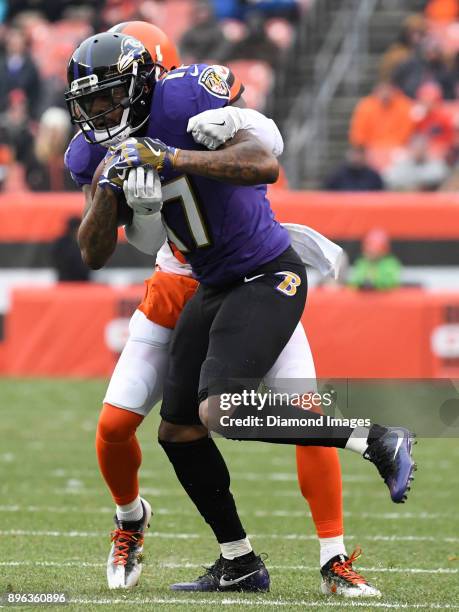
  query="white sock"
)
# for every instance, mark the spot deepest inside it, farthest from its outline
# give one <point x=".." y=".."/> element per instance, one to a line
<point x="330" y="547"/>
<point x="358" y="440"/>
<point x="231" y="550"/>
<point x="130" y="512"/>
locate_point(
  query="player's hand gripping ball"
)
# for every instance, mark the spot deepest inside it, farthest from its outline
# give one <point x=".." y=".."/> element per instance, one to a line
<point x="135" y="152"/>
<point x="124" y="211"/>
<point x="112" y="175"/>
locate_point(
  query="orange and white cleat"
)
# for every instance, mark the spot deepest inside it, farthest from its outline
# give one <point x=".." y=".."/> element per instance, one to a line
<point x="124" y="564"/>
<point x="339" y="578"/>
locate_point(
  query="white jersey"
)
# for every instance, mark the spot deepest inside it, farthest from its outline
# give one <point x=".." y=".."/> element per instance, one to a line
<point x="167" y="262"/>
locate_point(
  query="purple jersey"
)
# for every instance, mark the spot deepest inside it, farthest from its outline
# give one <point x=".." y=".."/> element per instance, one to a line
<point x="82" y="159"/>
<point x="224" y="230"/>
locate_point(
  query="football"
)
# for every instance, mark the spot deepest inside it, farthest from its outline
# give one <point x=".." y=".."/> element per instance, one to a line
<point x="124" y="210"/>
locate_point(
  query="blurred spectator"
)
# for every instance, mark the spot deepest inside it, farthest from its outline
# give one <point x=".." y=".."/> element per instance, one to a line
<point x="452" y="155"/>
<point x="288" y="9"/>
<point x="382" y="119"/>
<point x="66" y="256"/>
<point x="376" y="268"/>
<point x="205" y="39"/>
<point x="15" y="125"/>
<point x="426" y="63"/>
<point x="44" y="163"/>
<point x="354" y="174"/>
<point x="454" y="74"/>
<point x="451" y="182"/>
<point x="442" y="10"/>
<point x="240" y="9"/>
<point x="116" y="11"/>
<point x="412" y="35"/>
<point x="18" y="71"/>
<point x="255" y="45"/>
<point x="432" y="119"/>
<point x="51" y="9"/>
<point x="228" y="9"/>
<point x="6" y="158"/>
<point x="419" y="171"/>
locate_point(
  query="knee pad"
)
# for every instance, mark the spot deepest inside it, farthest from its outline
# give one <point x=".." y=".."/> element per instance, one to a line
<point x="137" y="381"/>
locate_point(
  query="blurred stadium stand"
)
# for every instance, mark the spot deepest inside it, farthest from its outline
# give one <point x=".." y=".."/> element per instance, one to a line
<point x="339" y="64"/>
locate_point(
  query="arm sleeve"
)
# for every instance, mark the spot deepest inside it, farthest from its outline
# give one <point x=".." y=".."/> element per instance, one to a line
<point x="82" y="159"/>
<point x="146" y="233"/>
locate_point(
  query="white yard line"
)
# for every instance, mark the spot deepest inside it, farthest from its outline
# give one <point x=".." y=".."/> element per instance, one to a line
<point x="253" y="492"/>
<point x="262" y="603"/>
<point x="290" y="476"/>
<point x="395" y="516"/>
<point x="191" y="536"/>
<point x="171" y="565"/>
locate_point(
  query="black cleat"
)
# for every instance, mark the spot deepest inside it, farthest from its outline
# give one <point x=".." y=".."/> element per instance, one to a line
<point x="247" y="573"/>
<point x="391" y="454"/>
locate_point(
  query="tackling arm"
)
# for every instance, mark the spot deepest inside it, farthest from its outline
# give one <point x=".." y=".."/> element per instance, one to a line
<point x="243" y="160"/>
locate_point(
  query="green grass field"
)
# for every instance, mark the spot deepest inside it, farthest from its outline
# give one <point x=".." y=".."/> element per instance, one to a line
<point x="56" y="515"/>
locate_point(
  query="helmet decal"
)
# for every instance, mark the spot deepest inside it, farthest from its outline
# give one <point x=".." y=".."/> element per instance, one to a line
<point x="131" y="50"/>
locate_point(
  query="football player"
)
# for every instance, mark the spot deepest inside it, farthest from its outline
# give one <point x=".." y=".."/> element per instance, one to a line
<point x="119" y="92"/>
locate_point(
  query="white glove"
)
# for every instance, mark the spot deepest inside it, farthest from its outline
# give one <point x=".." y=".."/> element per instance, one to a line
<point x="212" y="128"/>
<point x="143" y="190"/>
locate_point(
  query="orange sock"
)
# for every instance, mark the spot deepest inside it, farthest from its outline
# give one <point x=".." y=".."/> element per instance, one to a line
<point x="319" y="477"/>
<point x="118" y="452"/>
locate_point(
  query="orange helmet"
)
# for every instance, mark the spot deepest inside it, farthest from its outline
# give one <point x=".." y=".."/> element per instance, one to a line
<point x="161" y="48"/>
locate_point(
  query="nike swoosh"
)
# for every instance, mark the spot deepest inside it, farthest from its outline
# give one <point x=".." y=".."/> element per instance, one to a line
<point x="156" y="152"/>
<point x="223" y="123"/>
<point x="225" y="583"/>
<point x="399" y="441"/>
<point x="195" y="71"/>
<point x="248" y="280"/>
